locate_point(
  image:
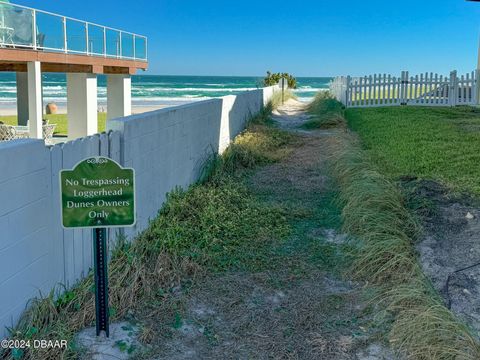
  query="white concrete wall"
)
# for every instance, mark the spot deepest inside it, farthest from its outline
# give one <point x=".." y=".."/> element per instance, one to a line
<point x="36" y="253"/>
<point x="25" y="219"/>
<point x="167" y="148"/>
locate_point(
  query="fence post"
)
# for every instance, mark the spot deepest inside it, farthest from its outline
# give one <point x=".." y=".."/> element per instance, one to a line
<point x="347" y="91"/>
<point x="407" y="87"/>
<point x="403" y="87"/>
<point x="453" y="90"/>
<point x="476" y="86"/>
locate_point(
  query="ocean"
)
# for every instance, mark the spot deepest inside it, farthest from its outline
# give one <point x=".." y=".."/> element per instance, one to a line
<point x="159" y="89"/>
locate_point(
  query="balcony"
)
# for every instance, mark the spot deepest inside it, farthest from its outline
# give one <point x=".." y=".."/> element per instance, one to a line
<point x="34" y="41"/>
<point x="23" y="28"/>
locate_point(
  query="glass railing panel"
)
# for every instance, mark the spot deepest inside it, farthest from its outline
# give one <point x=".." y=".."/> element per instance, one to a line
<point x="50" y="32"/>
<point x="113" y="43"/>
<point x="140" y="47"/>
<point x="95" y="39"/>
<point x="17" y="30"/>
<point x="76" y="36"/>
<point x="127" y="45"/>
<point x="16" y="25"/>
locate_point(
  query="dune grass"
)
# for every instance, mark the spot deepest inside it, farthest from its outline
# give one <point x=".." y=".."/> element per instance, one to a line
<point x="374" y="212"/>
<point x="277" y="98"/>
<point x="441" y="144"/>
<point x="60" y="120"/>
<point x="214" y="225"/>
<point x="326" y="112"/>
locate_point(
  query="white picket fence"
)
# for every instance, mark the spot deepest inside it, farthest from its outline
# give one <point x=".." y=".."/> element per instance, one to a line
<point x="427" y="89"/>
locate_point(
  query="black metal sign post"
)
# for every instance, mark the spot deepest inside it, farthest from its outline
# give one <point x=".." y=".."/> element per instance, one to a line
<point x="101" y="280"/>
<point x="116" y="185"/>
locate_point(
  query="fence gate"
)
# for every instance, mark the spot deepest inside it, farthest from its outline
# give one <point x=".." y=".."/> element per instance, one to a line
<point x="427" y="89"/>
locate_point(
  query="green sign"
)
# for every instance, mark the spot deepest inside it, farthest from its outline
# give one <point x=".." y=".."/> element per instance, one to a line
<point x="98" y="192"/>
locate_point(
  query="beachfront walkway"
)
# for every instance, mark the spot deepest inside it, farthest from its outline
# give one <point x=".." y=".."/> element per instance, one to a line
<point x="298" y="309"/>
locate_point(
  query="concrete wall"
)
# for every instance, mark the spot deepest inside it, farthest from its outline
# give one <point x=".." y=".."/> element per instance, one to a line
<point x="166" y="147"/>
<point x="25" y="219"/>
<point x="35" y="252"/>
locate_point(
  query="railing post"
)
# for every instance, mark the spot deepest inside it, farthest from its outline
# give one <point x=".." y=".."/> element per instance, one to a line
<point x="86" y="38"/>
<point x="104" y="41"/>
<point x="34" y="30"/>
<point x="120" y="44"/>
<point x="65" y="48"/>
<point x="134" y="50"/>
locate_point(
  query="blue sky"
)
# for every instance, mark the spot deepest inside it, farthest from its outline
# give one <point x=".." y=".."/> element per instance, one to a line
<point x="306" y="38"/>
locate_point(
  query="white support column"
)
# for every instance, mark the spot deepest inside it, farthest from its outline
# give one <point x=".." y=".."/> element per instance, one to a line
<point x="35" y="99"/>
<point x="22" y="98"/>
<point x="82" y="104"/>
<point x="119" y="96"/>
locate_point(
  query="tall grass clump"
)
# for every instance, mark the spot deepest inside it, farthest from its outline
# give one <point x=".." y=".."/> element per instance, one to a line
<point x="277" y="98"/>
<point x="214" y="225"/>
<point x="374" y="212"/>
<point x="260" y="144"/>
<point x="326" y="112"/>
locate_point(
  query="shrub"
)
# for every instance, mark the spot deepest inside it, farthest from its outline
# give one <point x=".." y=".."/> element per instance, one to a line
<point x="273" y="79"/>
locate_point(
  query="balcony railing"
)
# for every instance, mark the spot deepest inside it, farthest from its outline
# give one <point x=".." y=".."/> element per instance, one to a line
<point x="25" y="28"/>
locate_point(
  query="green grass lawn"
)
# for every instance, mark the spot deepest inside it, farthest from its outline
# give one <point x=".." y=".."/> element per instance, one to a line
<point x="442" y="144"/>
<point x="60" y="120"/>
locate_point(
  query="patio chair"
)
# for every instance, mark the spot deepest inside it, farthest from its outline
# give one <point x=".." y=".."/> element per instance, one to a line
<point x="48" y="130"/>
<point x="7" y="132"/>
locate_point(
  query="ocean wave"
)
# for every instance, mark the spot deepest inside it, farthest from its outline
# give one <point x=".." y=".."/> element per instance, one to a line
<point x="170" y="99"/>
<point x="310" y="89"/>
<point x="54" y="87"/>
<point x="190" y="89"/>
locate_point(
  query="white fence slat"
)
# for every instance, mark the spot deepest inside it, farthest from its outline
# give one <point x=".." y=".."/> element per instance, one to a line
<point x="417" y="90"/>
<point x="440" y="90"/>
<point x="104" y="145"/>
<point x="56" y="161"/>
<point x="69" y="158"/>
<point x="420" y="99"/>
<point x="389" y="84"/>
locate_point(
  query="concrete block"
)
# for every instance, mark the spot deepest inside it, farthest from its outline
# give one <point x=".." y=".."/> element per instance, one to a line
<point x="19" y="192"/>
<point x="30" y="155"/>
<point x="23" y="253"/>
<point x="29" y="219"/>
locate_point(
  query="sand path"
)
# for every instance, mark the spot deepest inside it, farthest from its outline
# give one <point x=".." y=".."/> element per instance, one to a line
<point x="302" y="309"/>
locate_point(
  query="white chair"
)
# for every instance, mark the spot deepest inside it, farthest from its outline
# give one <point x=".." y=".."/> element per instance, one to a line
<point x="48" y="130"/>
<point x="7" y="132"/>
